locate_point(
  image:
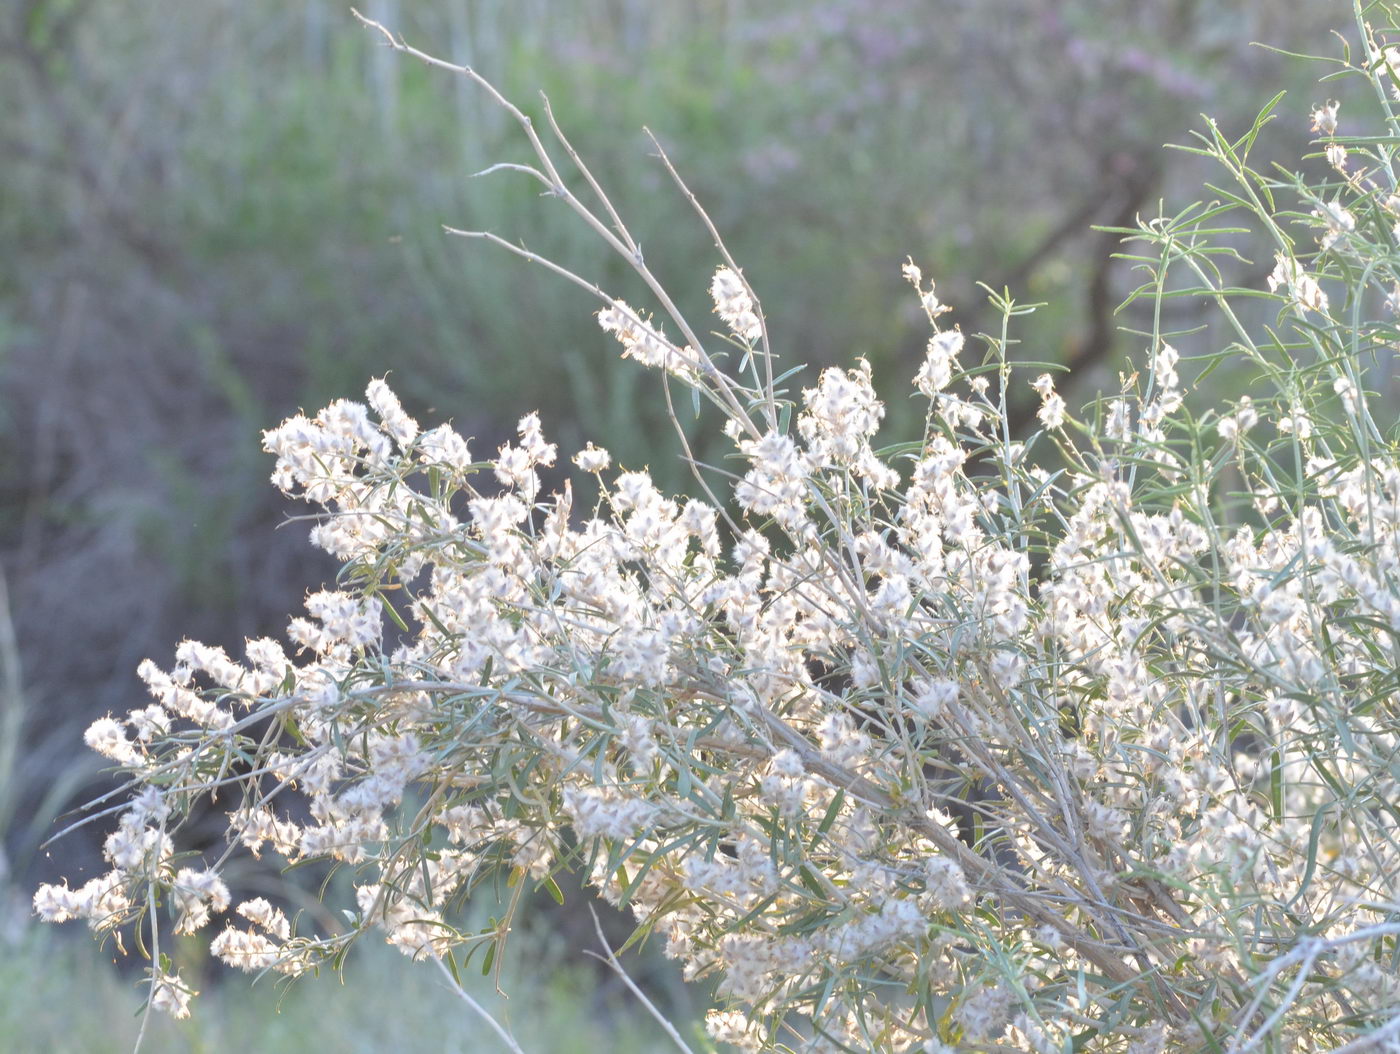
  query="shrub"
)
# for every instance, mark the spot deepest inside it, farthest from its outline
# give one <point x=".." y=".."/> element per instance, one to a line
<point x="1082" y="742"/>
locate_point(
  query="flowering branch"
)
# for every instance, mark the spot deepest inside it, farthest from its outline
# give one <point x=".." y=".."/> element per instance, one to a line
<point x="1093" y="752"/>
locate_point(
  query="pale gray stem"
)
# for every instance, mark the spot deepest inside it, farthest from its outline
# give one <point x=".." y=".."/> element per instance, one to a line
<point x="477" y="1008"/>
<point x="616" y="967"/>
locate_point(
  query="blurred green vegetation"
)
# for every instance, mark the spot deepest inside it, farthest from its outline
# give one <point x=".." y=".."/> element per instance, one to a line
<point x="217" y="213"/>
<point x="382" y="1002"/>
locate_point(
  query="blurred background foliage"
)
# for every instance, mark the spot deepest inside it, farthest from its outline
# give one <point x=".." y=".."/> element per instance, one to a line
<point x="554" y="1004"/>
<point x="217" y="212"/>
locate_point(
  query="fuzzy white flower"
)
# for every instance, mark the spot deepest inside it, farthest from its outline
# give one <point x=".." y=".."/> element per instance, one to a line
<point x="1324" y="117"/>
<point x="1337" y="219"/>
<point x="946" y="883"/>
<point x="107" y="737"/>
<point x="1244" y="418"/>
<point x="245" y="950"/>
<point x="171" y="996"/>
<point x="1052" y="407"/>
<point x="940" y="362"/>
<point x="735" y="305"/>
<point x="642" y="341"/>
<point x="1302" y="287"/>
<point x="393" y="420"/>
<point x="197" y="894"/>
<point x="443" y="446"/>
<point x="932" y="698"/>
<point x="592" y="459"/>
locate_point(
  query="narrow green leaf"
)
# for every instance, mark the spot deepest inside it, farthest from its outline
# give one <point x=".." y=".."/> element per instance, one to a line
<point x="490" y="958"/>
<point x="832" y="811"/>
<point x="1276" y="785"/>
<point x="554" y="890"/>
<point x="393" y="614"/>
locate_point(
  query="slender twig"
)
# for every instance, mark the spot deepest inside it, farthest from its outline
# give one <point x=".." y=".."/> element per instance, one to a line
<point x="770" y="397"/>
<point x="476" y="1007"/>
<point x="1374" y="1040"/>
<point x="611" y="959"/>
<point x="12" y="708"/>
<point x="623" y="244"/>
<point x="1304" y="956"/>
<point x="618" y="225"/>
